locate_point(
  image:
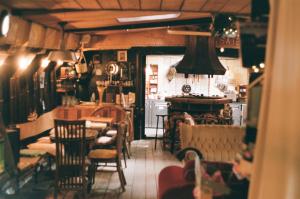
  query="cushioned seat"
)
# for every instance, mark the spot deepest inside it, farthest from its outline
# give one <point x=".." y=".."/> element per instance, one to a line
<point x="104" y="140"/>
<point x="111" y="133"/>
<point x="103" y="154"/>
<point x="89" y="124"/>
<point x="45" y="139"/>
<point x="49" y="148"/>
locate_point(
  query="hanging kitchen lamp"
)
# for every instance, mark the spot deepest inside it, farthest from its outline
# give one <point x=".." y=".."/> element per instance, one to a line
<point x="62" y="54"/>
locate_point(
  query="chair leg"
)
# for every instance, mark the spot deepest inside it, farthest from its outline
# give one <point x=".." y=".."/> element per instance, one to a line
<point x="121" y="176"/>
<point x="124" y="156"/>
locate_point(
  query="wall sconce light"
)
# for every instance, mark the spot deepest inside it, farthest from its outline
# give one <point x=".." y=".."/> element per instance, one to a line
<point x="2" y="58"/>
<point x="45" y="62"/>
<point x="25" y="61"/>
<point x="4" y="23"/>
<point x="59" y="62"/>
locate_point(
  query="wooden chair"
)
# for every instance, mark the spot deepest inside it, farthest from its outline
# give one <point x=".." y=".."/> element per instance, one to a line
<point x="98" y="156"/>
<point x="119" y="115"/>
<point x="70" y="156"/>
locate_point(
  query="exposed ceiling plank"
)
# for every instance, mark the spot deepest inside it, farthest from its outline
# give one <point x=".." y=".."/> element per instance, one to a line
<point x="171" y="4"/>
<point x="99" y="3"/>
<point x="120" y="5"/>
<point x="193" y="5"/>
<point x="181" y="6"/>
<point x="235" y="5"/>
<point x="130" y="4"/>
<point x="67" y="4"/>
<point x="214" y="5"/>
<point x="108" y="21"/>
<point x="87" y="16"/>
<point x="150" y="4"/>
<point x="245" y="10"/>
<point x="76" y="1"/>
<point x="144" y="25"/>
<point x="89" y="4"/>
<point x="111" y="4"/>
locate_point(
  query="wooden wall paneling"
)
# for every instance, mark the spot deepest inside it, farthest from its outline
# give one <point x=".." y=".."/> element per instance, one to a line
<point x="52" y="39"/>
<point x="37" y="94"/>
<point x="23" y="98"/>
<point x="111" y="4"/>
<point x="89" y="4"/>
<point x="171" y="4"/>
<point x="52" y="92"/>
<point x="128" y="40"/>
<point x="150" y="4"/>
<point x="23" y="31"/>
<point x="72" y="41"/>
<point x="13" y="100"/>
<point x="235" y="5"/>
<point x="37" y="36"/>
<point x="130" y="4"/>
<point x="1" y="96"/>
<point x="214" y="5"/>
<point x="193" y="5"/>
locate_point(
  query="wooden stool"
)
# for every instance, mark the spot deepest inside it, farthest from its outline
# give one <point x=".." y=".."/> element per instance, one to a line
<point x="157" y="121"/>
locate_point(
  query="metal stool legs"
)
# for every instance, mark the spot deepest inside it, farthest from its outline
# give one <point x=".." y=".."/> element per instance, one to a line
<point x="157" y="121"/>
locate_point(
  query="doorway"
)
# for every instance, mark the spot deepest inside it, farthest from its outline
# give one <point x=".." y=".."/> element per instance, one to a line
<point x="157" y="87"/>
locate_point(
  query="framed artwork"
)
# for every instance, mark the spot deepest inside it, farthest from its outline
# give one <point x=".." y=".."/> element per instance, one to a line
<point x="122" y="56"/>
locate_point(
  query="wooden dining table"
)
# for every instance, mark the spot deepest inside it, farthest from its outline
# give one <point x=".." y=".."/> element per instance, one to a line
<point x="107" y="120"/>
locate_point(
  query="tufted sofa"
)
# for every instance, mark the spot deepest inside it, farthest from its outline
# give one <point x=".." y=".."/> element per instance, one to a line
<point x="216" y="142"/>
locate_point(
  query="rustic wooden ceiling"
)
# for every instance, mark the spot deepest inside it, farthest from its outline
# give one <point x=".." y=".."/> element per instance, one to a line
<point x="89" y="14"/>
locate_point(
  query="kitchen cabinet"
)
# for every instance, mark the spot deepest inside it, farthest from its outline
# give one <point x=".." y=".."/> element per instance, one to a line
<point x="154" y="107"/>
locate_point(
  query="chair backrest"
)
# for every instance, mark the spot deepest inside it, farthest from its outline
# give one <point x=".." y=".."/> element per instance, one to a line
<point x="215" y="142"/>
<point x="111" y="110"/>
<point x="121" y="133"/>
<point x="70" y="154"/>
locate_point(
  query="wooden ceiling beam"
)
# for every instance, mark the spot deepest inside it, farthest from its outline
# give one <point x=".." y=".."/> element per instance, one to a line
<point x="40" y="12"/>
<point x="196" y="21"/>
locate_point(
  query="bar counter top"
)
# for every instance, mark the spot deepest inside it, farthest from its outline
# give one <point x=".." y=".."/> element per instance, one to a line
<point x="198" y="100"/>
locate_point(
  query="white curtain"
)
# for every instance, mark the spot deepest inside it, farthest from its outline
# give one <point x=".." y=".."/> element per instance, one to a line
<point x="277" y="156"/>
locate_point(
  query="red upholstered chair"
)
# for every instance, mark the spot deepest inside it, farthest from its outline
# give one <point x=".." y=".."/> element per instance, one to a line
<point x="172" y="183"/>
<point x="178" y="182"/>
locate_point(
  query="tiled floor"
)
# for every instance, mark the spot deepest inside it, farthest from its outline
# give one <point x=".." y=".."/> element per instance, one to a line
<point x="141" y="174"/>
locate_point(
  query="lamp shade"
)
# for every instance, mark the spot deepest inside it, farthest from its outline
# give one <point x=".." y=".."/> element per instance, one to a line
<point x="64" y="55"/>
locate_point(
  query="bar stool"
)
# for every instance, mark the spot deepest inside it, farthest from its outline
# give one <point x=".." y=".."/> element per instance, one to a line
<point x="157" y="121"/>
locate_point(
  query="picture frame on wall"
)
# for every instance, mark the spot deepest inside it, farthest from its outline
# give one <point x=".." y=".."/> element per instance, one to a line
<point x="122" y="56"/>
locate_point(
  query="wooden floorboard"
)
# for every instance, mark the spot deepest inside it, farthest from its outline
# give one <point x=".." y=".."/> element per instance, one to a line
<point x="141" y="175"/>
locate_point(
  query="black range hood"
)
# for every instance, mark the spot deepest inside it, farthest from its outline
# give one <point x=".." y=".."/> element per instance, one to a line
<point x="200" y="58"/>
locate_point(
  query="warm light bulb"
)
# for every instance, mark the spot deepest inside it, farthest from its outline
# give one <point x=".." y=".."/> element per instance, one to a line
<point x="261" y="65"/>
<point x="222" y="50"/>
<point x="59" y="62"/>
<point x="254" y="67"/>
<point x="24" y="62"/>
<point x="256" y="70"/>
<point x="5" y="24"/>
<point x="45" y="62"/>
<point x="1" y="62"/>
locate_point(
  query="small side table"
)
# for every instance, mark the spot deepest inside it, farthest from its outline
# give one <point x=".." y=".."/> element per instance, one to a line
<point x="157" y="121"/>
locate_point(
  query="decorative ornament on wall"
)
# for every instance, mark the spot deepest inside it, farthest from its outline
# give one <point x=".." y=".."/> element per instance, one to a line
<point x="171" y="73"/>
<point x="186" y="89"/>
<point x="112" y="68"/>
